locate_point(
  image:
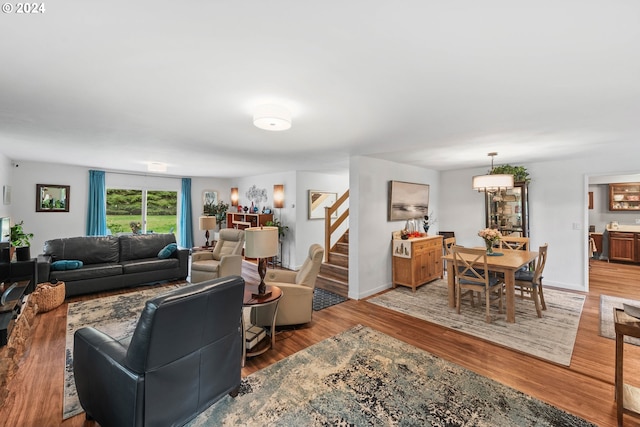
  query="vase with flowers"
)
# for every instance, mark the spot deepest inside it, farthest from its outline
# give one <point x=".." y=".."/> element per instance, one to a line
<point x="490" y="236"/>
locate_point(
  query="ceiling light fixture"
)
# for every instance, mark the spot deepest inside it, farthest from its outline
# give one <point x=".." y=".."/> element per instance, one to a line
<point x="492" y="183"/>
<point x="272" y="117"/>
<point x="157" y="167"/>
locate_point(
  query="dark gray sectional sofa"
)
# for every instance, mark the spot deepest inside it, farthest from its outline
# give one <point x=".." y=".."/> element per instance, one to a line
<point x="112" y="262"/>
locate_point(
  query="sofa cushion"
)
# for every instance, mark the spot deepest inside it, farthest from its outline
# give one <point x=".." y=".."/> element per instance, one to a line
<point x="90" y="271"/>
<point x="141" y="246"/>
<point x="66" y="265"/>
<point x="89" y="250"/>
<point x="149" y="264"/>
<point x="167" y="251"/>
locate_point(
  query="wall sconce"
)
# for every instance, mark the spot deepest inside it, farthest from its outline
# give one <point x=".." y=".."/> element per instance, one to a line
<point x="234" y="196"/>
<point x="278" y="196"/>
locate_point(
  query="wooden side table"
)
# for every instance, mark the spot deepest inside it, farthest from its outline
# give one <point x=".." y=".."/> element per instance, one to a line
<point x="249" y="301"/>
<point x="627" y="396"/>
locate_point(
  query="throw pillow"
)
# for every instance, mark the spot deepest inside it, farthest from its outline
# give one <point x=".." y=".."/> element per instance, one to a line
<point x="66" y="265"/>
<point x="168" y="250"/>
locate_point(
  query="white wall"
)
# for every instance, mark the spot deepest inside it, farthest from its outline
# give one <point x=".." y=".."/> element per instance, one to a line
<point x="369" y="231"/>
<point x="6" y="175"/>
<point x="49" y="225"/>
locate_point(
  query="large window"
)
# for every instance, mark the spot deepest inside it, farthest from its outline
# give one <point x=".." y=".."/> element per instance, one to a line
<point x="141" y="211"/>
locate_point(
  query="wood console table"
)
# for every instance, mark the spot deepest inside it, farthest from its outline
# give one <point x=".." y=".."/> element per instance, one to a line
<point x="627" y="396"/>
<point x="416" y="261"/>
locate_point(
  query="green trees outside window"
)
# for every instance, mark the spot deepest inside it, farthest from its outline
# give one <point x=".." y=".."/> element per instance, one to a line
<point x="141" y="211"/>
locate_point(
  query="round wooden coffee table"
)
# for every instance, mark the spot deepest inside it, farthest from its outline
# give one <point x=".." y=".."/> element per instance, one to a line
<point x="250" y="301"/>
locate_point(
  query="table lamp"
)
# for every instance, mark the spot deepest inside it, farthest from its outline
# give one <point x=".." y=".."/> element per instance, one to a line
<point x="261" y="243"/>
<point x="207" y="223"/>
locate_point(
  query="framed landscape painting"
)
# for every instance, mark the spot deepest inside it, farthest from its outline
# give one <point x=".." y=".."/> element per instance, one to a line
<point x="408" y="200"/>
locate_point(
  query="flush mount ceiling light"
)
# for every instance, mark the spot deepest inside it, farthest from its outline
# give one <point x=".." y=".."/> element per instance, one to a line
<point x="492" y="183"/>
<point x="157" y="167"/>
<point x="272" y="117"/>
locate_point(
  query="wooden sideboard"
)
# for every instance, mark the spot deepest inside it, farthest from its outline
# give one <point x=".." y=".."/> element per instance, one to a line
<point x="416" y="261"/>
<point x="245" y="220"/>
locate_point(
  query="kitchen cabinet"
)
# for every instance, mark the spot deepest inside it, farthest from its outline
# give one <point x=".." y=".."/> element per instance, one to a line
<point x="622" y="246"/>
<point x="508" y="210"/>
<point x="624" y="196"/>
<point x="416" y="261"/>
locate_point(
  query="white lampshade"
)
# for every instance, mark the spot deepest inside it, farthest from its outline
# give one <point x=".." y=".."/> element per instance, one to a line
<point x="272" y="117"/>
<point x="492" y="183"/>
<point x="261" y="242"/>
<point x="207" y="222"/>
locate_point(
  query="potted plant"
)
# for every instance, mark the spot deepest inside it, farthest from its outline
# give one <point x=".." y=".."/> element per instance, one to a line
<point x="219" y="210"/>
<point x="21" y="241"/>
<point x="282" y="229"/>
<point x="520" y="173"/>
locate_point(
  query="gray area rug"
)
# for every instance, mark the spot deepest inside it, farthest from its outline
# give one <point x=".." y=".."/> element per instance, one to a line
<point x="551" y="337"/>
<point x="363" y="377"/>
<point x="607" y="328"/>
<point x="115" y="315"/>
<point x="323" y="299"/>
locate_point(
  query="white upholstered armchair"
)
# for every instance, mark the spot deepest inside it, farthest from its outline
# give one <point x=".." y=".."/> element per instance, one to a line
<point x="225" y="260"/>
<point x="296" y="305"/>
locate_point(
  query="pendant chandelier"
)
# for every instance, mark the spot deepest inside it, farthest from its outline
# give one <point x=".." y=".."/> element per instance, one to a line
<point x="492" y="183"/>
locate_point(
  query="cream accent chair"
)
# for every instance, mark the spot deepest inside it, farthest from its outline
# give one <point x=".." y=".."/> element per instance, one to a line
<point x="296" y="305"/>
<point x="225" y="260"/>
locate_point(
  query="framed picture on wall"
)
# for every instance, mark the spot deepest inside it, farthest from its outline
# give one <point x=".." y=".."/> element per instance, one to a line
<point x="52" y="198"/>
<point x="318" y="200"/>
<point x="408" y="200"/>
<point x="209" y="197"/>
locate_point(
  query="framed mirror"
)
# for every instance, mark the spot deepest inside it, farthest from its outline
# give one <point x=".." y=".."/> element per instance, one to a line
<point x="52" y="198"/>
<point x="318" y="200"/>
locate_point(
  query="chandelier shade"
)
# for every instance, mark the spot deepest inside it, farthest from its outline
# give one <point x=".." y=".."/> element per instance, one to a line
<point x="492" y="183"/>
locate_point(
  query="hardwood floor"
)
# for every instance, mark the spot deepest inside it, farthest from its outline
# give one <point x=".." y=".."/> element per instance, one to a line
<point x="585" y="388"/>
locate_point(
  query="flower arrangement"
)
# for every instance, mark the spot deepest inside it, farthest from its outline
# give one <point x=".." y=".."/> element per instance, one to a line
<point x="490" y="236"/>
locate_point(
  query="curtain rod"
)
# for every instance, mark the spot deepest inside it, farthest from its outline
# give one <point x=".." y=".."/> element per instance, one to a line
<point x="142" y="174"/>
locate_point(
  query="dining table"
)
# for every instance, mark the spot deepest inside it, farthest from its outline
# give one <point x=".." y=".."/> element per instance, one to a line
<point x="507" y="263"/>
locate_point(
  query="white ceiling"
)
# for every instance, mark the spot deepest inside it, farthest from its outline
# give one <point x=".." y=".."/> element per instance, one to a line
<point x="439" y="84"/>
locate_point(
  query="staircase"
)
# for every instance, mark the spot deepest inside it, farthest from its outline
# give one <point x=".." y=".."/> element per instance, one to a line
<point x="334" y="273"/>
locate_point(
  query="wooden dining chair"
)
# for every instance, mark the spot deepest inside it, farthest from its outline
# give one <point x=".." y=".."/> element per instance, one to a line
<point x="448" y="243"/>
<point x="472" y="275"/>
<point x="514" y="243"/>
<point x="529" y="283"/>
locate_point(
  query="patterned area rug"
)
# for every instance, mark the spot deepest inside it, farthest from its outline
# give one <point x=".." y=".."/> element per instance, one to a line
<point x="550" y="338"/>
<point x="115" y="315"/>
<point x="607" y="328"/>
<point x="363" y="377"/>
<point x="323" y="299"/>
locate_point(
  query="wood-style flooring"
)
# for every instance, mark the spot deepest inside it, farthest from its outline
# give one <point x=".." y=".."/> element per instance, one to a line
<point x="585" y="388"/>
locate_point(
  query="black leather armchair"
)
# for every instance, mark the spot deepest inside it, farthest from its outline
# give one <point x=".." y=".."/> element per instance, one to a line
<point x="185" y="354"/>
